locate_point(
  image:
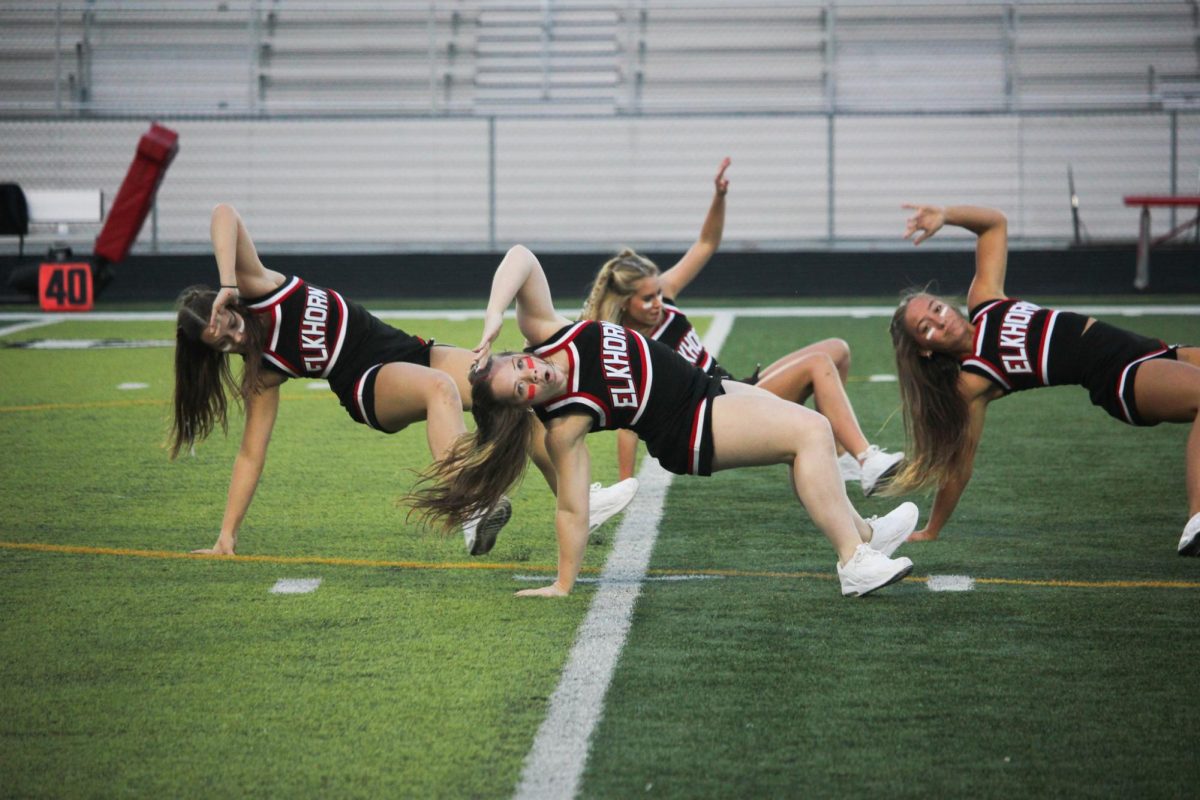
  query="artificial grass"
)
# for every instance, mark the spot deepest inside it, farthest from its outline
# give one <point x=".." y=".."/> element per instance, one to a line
<point x="187" y="678"/>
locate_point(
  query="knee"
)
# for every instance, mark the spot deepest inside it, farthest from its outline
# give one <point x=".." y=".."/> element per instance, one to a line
<point x="838" y="351"/>
<point x="821" y="363"/>
<point x="814" y="427"/>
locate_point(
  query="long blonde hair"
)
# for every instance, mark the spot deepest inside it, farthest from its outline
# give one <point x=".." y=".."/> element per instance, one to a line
<point x="203" y="376"/>
<point x="615" y="283"/>
<point x="936" y="419"/>
<point x="481" y="466"/>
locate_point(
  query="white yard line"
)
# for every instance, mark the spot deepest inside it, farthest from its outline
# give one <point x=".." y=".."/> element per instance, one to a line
<point x="555" y="762"/>
<point x="30" y="323"/>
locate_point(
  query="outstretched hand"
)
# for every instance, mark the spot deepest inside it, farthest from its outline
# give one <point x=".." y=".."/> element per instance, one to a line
<point x="722" y="183"/>
<point x="546" y="591"/>
<point x="223" y="547"/>
<point x="922" y="535"/>
<point x="925" y="223"/>
<point x="225" y="296"/>
<point x="491" y="329"/>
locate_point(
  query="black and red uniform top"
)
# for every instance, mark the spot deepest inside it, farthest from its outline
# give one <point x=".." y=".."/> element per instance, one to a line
<point x="1019" y="345"/>
<point x="676" y="332"/>
<point x="620" y="379"/>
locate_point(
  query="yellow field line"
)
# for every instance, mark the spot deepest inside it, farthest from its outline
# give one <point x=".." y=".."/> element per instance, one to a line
<point x="130" y="403"/>
<point x="549" y="569"/>
<point x="315" y="560"/>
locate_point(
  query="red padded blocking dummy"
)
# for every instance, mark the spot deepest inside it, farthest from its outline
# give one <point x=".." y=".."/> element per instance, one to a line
<point x="155" y="151"/>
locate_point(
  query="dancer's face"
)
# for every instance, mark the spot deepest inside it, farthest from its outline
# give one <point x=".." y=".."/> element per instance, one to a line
<point x="523" y="380"/>
<point x="227" y="334"/>
<point x="644" y="308"/>
<point x="937" y="325"/>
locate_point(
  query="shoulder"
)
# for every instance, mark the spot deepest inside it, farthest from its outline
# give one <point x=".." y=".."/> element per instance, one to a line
<point x="976" y="388"/>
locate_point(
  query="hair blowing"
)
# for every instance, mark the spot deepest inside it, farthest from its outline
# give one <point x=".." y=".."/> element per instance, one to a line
<point x="203" y="378"/>
<point x="935" y="414"/>
<point x="481" y="466"/>
<point x="615" y="283"/>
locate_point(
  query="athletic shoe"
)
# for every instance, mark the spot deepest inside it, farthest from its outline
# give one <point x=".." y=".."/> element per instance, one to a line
<point x="604" y="504"/>
<point x="890" y="531"/>
<point x="877" y="468"/>
<point x="480" y="533"/>
<point x="849" y="467"/>
<point x="1189" y="543"/>
<point x="869" y="570"/>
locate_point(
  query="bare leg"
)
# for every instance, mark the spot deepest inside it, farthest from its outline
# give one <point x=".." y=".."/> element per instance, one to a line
<point x="819" y="370"/>
<point x="1169" y="391"/>
<point x="795" y="436"/>
<point x="407" y="393"/>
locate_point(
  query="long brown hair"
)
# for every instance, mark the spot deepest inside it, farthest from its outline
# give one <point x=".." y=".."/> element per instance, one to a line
<point x="204" y="378"/>
<point x="480" y="466"/>
<point x="615" y="283"/>
<point x="936" y="419"/>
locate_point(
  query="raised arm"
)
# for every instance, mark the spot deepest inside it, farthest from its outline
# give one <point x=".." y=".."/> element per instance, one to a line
<point x="948" y="494"/>
<point x="262" y="408"/>
<point x="991" y="250"/>
<point x="565" y="443"/>
<point x="238" y="267"/>
<point x="677" y="278"/>
<point x="520" y="276"/>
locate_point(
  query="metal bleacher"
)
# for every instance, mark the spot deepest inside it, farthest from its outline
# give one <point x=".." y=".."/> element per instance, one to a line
<point x="1070" y="55"/>
<point x="581" y="56"/>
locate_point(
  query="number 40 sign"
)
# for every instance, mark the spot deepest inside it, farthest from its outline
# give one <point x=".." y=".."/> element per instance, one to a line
<point x="65" y="287"/>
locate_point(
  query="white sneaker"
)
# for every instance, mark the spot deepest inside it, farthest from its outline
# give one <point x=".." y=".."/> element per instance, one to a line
<point x="869" y="570"/>
<point x="604" y="504"/>
<point x="1189" y="543"/>
<point x="849" y="467"/>
<point x="891" y="530"/>
<point x="877" y="467"/>
<point x="480" y="533"/>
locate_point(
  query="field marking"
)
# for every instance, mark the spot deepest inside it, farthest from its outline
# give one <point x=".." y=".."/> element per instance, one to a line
<point x="124" y="403"/>
<point x="951" y="583"/>
<point x="30" y="323"/>
<point x="554" y="765"/>
<point x="690" y="576"/>
<point x="295" y="586"/>
<point x="89" y="344"/>
<point x="549" y="569"/>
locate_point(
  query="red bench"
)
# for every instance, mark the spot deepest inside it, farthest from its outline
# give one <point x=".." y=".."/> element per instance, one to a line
<point x="1141" y="278"/>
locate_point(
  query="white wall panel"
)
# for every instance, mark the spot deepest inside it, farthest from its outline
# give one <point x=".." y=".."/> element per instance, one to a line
<point x="602" y="182"/>
<point x="883" y="162"/>
<point x="1112" y="156"/>
<point x="639" y="181"/>
<point x="333" y="182"/>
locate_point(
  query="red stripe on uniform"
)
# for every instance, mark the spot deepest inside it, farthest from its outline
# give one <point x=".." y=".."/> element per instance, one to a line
<point x="697" y="434"/>
<point x="1044" y="351"/>
<point x="1124" y="374"/>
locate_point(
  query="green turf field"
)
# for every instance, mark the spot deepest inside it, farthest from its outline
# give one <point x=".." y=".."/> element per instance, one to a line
<point x="132" y="669"/>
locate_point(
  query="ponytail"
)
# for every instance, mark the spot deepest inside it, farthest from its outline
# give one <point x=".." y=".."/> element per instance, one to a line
<point x="615" y="283"/>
